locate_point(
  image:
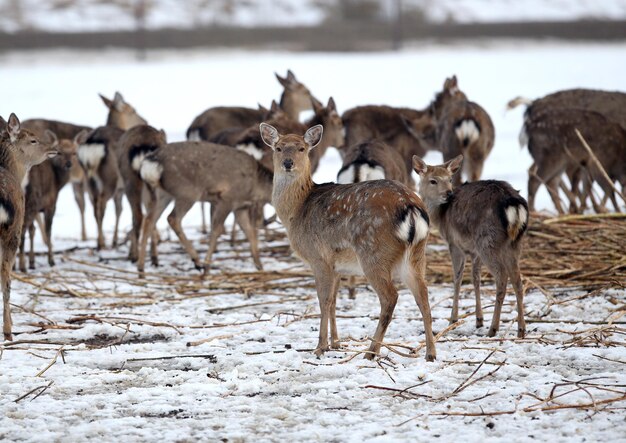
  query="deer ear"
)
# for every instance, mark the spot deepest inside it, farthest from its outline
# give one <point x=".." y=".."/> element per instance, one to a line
<point x="269" y="134"/>
<point x="51" y="138"/>
<point x="3" y="124"/>
<point x="81" y="137"/>
<point x="290" y="76"/>
<point x="313" y="136"/>
<point x="454" y="164"/>
<point x="13" y="126"/>
<point x="419" y="165"/>
<point x="163" y="134"/>
<point x="331" y="105"/>
<point x="283" y="81"/>
<point x="108" y="103"/>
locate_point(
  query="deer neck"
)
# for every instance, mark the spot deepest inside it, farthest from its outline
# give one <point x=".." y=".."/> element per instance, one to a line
<point x="10" y="163"/>
<point x="289" y="193"/>
<point x="290" y="106"/>
<point x="436" y="212"/>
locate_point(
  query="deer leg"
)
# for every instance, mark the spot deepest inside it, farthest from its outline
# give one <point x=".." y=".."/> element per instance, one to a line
<point x="158" y="203"/>
<point x="203" y="228"/>
<point x="219" y="212"/>
<point x="553" y="190"/>
<point x="31" y="253"/>
<point x="21" y="256"/>
<point x="516" y="281"/>
<point x="388" y="296"/>
<point x="476" y="265"/>
<point x="48" y="218"/>
<point x="501" y="278"/>
<point x="414" y="279"/>
<point x="134" y="200"/>
<point x="458" y="265"/>
<point x="533" y="186"/>
<point x="79" y="196"/>
<point x="242" y="216"/>
<point x="352" y="287"/>
<point x="117" y="200"/>
<point x="181" y="207"/>
<point x="334" y="335"/>
<point x="98" y="209"/>
<point x="325" y="278"/>
<point x="7" y="251"/>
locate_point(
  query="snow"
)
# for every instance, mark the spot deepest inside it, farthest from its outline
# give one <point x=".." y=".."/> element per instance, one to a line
<point x="126" y="371"/>
<point x="96" y="15"/>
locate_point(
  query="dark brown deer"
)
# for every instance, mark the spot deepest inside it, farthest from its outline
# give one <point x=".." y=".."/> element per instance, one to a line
<point x="463" y="128"/>
<point x="97" y="155"/>
<point x="189" y="172"/>
<point x="555" y="148"/>
<point x="373" y="160"/>
<point x="377" y="227"/>
<point x="19" y="151"/>
<point x="121" y="114"/>
<point x="484" y="219"/>
<point x="295" y="98"/>
<point x="134" y="145"/>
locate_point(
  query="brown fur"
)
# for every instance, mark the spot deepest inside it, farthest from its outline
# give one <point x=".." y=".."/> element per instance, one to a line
<point x="121" y="114"/>
<point x="473" y="219"/>
<point x="376" y="153"/>
<point x="337" y="228"/>
<point x="19" y="151"/>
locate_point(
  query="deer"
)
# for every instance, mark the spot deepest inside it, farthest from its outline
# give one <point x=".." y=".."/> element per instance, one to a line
<point x="134" y="145"/>
<point x="392" y="126"/>
<point x="121" y="114"/>
<point x="65" y="131"/>
<point x="463" y="127"/>
<point x="97" y="155"/>
<point x="188" y="172"/>
<point x="555" y="148"/>
<point x="295" y="98"/>
<point x="19" y="151"/>
<point x="377" y="228"/>
<point x="485" y="219"/>
<point x="41" y="193"/>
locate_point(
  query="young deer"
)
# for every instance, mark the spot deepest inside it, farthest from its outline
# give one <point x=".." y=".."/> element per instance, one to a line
<point x="378" y="227"/>
<point x="485" y="219"/>
<point x="295" y="98"/>
<point x="97" y="155"/>
<point x="19" y="151"/>
<point x="463" y="127"/>
<point x="188" y="172"/>
<point x="134" y="145"/>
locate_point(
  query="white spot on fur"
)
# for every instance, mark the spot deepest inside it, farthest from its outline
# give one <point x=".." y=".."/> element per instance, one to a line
<point x="137" y="160"/>
<point x="4" y="215"/>
<point x="194" y="136"/>
<point x="91" y="155"/>
<point x="467" y="130"/>
<point x="151" y="171"/>
<point x="368" y="173"/>
<point x="252" y="150"/>
<point x="523" y="136"/>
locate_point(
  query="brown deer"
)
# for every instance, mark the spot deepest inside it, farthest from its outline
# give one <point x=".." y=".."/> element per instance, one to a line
<point x="486" y="220"/>
<point x="134" y="145"/>
<point x="373" y="160"/>
<point x="65" y="131"/>
<point x="189" y="172"/>
<point x="377" y="227"/>
<point x="41" y="194"/>
<point x="555" y="148"/>
<point x="19" y="151"/>
<point x="121" y="114"/>
<point x="295" y="98"/>
<point x="392" y="126"/>
<point x="463" y="128"/>
<point x="97" y="155"/>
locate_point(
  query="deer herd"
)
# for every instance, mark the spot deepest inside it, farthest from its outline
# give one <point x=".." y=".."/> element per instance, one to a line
<point x="371" y="222"/>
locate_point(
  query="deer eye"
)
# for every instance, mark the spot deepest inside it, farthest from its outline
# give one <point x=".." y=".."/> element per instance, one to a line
<point x="301" y="149"/>
<point x="433" y="181"/>
<point x="279" y="150"/>
<point x="33" y="141"/>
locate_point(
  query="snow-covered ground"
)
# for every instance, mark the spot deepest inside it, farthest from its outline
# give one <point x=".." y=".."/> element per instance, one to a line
<point x="175" y="358"/>
<point x="96" y="15"/>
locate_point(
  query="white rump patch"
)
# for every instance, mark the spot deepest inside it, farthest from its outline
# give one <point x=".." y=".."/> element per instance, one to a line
<point x="252" y="150"/>
<point x="523" y="136"/>
<point x="467" y="130"/>
<point x="150" y="172"/>
<point x="137" y="160"/>
<point x="346" y="176"/>
<point x="516" y="215"/>
<point x="368" y="173"/>
<point x="4" y="215"/>
<point x="523" y="214"/>
<point x="421" y="227"/>
<point x="194" y="136"/>
<point x="91" y="155"/>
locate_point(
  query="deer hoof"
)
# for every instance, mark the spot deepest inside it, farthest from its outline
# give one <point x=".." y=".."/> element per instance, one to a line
<point x="431" y="357"/>
<point x="521" y="333"/>
<point x="492" y="332"/>
<point x="479" y="322"/>
<point x="8" y="336"/>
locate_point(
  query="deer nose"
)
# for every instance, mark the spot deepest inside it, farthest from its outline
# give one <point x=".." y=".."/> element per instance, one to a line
<point x="288" y="164"/>
<point x="449" y="194"/>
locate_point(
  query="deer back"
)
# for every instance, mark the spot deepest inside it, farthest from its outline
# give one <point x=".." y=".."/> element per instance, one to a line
<point x="373" y="160"/>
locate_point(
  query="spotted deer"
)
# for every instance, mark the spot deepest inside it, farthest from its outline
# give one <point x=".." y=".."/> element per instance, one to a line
<point x="19" y="151"/>
<point x="295" y="98"/>
<point x="486" y="220"/>
<point x="378" y="228"/>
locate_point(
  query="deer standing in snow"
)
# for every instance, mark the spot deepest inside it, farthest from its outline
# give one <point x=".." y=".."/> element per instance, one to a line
<point x="377" y="227"/>
<point x="19" y="151"/>
<point x="486" y="220"/>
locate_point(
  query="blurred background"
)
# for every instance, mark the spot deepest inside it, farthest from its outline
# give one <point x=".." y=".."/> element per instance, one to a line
<point x="320" y="25"/>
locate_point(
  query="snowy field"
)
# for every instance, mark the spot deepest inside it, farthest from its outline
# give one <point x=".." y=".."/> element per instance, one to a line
<point x="101" y="354"/>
